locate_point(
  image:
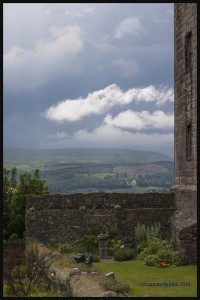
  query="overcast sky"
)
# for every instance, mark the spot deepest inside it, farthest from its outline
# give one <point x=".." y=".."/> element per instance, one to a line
<point x="89" y="75"/>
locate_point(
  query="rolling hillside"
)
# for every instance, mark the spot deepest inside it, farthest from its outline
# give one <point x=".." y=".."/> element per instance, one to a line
<point x="85" y="170"/>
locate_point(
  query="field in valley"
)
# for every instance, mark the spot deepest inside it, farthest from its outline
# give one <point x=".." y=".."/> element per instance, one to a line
<point x="69" y="171"/>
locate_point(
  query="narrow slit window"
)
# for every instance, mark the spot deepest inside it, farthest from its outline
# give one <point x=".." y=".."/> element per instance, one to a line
<point x="188" y="52"/>
<point x="188" y="141"/>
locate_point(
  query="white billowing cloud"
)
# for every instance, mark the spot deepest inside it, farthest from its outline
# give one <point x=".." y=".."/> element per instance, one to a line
<point x="128" y="67"/>
<point x="141" y="120"/>
<point x="102" y="100"/>
<point x="108" y="136"/>
<point x="129" y="26"/>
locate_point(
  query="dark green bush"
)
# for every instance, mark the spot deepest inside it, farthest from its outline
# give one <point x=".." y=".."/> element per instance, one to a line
<point x="151" y="260"/>
<point x="65" y="248"/>
<point x="153" y="246"/>
<point x="86" y="244"/>
<point x="162" y="249"/>
<point x="124" y="254"/>
<point x="169" y="255"/>
<point x="14" y="238"/>
<point x="141" y="246"/>
<point x="113" y="228"/>
<point x="176" y="258"/>
<point x="113" y="245"/>
<point x="96" y="258"/>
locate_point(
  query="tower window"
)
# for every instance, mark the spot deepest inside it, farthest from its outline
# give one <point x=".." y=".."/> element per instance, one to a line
<point x="188" y="52"/>
<point x="188" y="141"/>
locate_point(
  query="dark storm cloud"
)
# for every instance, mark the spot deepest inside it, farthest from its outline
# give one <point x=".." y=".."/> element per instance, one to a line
<point x="76" y="49"/>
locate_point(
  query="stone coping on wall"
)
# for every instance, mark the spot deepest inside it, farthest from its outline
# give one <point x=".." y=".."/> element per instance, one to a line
<point x="109" y="200"/>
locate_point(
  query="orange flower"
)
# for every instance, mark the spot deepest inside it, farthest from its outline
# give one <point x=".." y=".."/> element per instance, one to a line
<point x="164" y="264"/>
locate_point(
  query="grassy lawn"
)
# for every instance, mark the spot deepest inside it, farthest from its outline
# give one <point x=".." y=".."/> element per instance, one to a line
<point x="135" y="273"/>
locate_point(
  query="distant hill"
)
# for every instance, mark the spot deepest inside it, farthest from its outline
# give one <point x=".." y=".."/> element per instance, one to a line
<point x="68" y="171"/>
<point x="28" y="159"/>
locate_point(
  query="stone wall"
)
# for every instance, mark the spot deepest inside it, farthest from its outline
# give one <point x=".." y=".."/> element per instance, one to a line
<point x="185" y="93"/>
<point x="184" y="221"/>
<point x="53" y="219"/>
<point x="184" y="234"/>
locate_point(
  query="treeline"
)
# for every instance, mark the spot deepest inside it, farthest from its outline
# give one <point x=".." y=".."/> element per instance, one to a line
<point x="15" y="189"/>
<point x="98" y="177"/>
<point x="83" y="181"/>
<point x="164" y="180"/>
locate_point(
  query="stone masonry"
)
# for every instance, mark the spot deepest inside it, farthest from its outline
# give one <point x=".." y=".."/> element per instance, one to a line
<point x="184" y="221"/>
<point x="54" y="219"/>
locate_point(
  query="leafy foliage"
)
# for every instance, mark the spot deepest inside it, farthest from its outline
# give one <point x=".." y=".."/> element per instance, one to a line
<point x="170" y="256"/>
<point x="153" y="246"/>
<point x="15" y="190"/>
<point x="143" y="234"/>
<point x="113" y="245"/>
<point x="124" y="254"/>
<point x="66" y="248"/>
<point x="89" y="243"/>
<point x="151" y="260"/>
<point x="159" y="250"/>
<point x="113" y="228"/>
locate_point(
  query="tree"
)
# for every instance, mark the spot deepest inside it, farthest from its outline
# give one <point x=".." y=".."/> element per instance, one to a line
<point x="15" y="191"/>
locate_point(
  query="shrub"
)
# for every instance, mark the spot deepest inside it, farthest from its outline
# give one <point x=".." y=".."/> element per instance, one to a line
<point x="142" y="245"/>
<point x="123" y="254"/>
<point x="114" y="285"/>
<point x="153" y="246"/>
<point x="65" y="248"/>
<point x="176" y="258"/>
<point x="140" y="233"/>
<point x="153" y="232"/>
<point x="88" y="244"/>
<point x="113" y="228"/>
<point x="162" y="249"/>
<point x="96" y="258"/>
<point x="151" y="260"/>
<point x="113" y="245"/>
<point x="14" y="238"/>
<point x="169" y="255"/>
<point x="145" y="233"/>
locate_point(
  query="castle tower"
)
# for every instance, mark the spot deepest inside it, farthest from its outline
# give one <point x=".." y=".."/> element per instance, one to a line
<point x="185" y="129"/>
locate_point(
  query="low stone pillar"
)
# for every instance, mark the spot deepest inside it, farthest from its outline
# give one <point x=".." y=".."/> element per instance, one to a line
<point x="103" y="245"/>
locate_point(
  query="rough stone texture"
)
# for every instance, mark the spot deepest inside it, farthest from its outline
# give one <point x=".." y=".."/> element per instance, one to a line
<point x="74" y="271"/>
<point x="184" y="233"/>
<point x="57" y="218"/>
<point x="103" y="245"/>
<point x="13" y="255"/>
<point x="109" y="294"/>
<point x="185" y="111"/>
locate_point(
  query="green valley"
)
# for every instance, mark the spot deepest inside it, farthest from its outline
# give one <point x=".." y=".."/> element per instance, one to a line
<point x="69" y="171"/>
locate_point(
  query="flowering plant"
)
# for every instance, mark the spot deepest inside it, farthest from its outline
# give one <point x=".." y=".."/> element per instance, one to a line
<point x="163" y="264"/>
